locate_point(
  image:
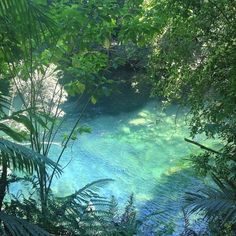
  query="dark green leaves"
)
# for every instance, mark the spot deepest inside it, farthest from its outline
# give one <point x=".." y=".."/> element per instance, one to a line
<point x="75" y="88"/>
<point x="19" y="227"/>
<point x="24" y="13"/>
<point x="216" y="202"/>
<point x="22" y="158"/>
<point x="12" y="133"/>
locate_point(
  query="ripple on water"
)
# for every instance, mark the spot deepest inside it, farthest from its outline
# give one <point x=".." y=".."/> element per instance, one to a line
<point x="141" y="150"/>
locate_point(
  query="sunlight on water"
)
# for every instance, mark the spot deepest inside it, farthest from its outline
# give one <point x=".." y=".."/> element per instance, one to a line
<point x="136" y="149"/>
<point x="143" y="151"/>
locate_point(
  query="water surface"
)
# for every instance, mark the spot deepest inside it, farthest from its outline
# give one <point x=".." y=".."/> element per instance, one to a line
<point x="143" y="150"/>
<point x="134" y="148"/>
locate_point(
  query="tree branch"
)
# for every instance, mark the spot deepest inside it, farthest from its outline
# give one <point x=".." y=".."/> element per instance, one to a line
<point x="202" y="146"/>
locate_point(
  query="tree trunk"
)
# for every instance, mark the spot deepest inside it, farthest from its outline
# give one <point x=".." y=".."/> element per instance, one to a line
<point x="3" y="182"/>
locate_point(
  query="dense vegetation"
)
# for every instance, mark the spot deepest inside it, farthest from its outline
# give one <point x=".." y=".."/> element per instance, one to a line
<point x="180" y="51"/>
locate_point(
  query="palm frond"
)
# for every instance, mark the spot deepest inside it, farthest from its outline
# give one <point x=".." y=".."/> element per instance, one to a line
<point x="85" y="210"/>
<point x="4" y="103"/>
<point x="215" y="202"/>
<point x="20" y="227"/>
<point x="12" y="133"/>
<point x="26" y="15"/>
<point x="22" y="158"/>
<point x="25" y="28"/>
<point x="86" y="194"/>
<point x="18" y="117"/>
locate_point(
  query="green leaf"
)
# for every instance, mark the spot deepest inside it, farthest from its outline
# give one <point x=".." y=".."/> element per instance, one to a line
<point x="22" y="158"/>
<point x="25" y="121"/>
<point x="84" y="129"/>
<point x="75" y="88"/>
<point x="20" y="227"/>
<point x="93" y="100"/>
<point x="11" y="133"/>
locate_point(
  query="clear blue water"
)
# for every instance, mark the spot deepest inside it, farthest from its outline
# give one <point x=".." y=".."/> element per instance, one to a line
<point x="134" y="148"/>
<point x="142" y="150"/>
<point x="138" y="149"/>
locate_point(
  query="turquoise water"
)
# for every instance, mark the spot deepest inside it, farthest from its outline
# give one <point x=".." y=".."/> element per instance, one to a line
<point x="142" y="150"/>
<point x="134" y="148"/>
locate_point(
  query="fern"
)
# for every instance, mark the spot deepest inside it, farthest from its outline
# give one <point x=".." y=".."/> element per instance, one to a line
<point x="4" y="103"/>
<point x="22" y="158"/>
<point x="216" y="202"/>
<point x="19" y="227"/>
<point x="91" y="215"/>
<point x="84" y="213"/>
<point x="86" y="210"/>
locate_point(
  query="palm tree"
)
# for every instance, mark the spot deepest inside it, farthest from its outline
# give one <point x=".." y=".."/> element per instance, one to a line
<point x="14" y="156"/>
<point x="17" y="227"/>
<point x="23" y="26"/>
<point x="218" y="201"/>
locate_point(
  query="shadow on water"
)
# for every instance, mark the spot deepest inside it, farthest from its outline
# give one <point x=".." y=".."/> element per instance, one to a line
<point x="164" y="213"/>
<point x="123" y="96"/>
<point x="125" y="101"/>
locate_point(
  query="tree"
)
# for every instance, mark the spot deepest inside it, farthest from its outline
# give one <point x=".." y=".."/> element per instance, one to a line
<point x="193" y="64"/>
<point x="23" y="24"/>
<point x="15" y="157"/>
<point x="27" y="62"/>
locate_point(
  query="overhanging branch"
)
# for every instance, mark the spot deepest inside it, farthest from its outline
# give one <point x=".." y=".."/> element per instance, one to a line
<point x="202" y="146"/>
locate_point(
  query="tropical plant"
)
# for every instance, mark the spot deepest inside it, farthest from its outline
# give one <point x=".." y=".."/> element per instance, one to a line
<point x="193" y="64"/>
<point x="49" y="49"/>
<point x="17" y="227"/>
<point x="15" y="157"/>
<point x="83" y="213"/>
<point x="217" y="203"/>
<point x="110" y="36"/>
<point x="29" y="81"/>
<point x="24" y="27"/>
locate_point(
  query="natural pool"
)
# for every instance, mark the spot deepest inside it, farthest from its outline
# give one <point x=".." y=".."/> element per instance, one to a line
<point x="134" y="148"/>
<point x="143" y="150"/>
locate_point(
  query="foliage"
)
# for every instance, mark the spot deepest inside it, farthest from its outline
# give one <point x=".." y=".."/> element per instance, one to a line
<point x="17" y="227"/>
<point x="126" y="223"/>
<point x="109" y="36"/>
<point x="51" y="48"/>
<point x="83" y="213"/>
<point x="15" y="157"/>
<point x="24" y="26"/>
<point x="216" y="202"/>
<point x="19" y="157"/>
<point x="193" y="63"/>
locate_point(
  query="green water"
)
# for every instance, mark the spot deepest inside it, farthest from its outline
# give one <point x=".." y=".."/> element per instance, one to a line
<point x="133" y="148"/>
<point x="142" y="150"/>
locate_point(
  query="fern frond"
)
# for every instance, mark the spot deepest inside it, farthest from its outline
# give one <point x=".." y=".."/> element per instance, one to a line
<point x="214" y="202"/>
<point x="22" y="158"/>
<point x="89" y="191"/>
<point x="86" y="211"/>
<point x="4" y="103"/>
<point x="20" y="227"/>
